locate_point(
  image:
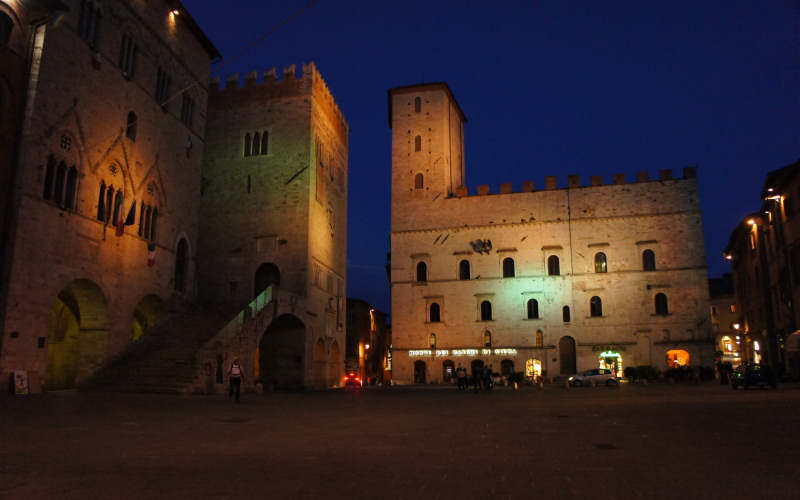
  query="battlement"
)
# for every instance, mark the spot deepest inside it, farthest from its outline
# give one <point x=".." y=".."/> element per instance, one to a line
<point x="307" y="80"/>
<point x="574" y="182"/>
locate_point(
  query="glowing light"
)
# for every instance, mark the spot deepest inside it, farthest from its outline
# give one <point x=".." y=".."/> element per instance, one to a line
<point x="175" y="12"/>
<point x="752" y="222"/>
<point x="505" y="352"/>
<point x="465" y="352"/>
<point x="736" y="327"/>
<point x="486" y="352"/>
<point x="770" y="190"/>
<point x="420" y="352"/>
<point x="729" y="257"/>
<point x="366" y="346"/>
<point x="442" y="352"/>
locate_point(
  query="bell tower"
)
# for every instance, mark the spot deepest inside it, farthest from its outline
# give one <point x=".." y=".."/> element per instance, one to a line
<point x="427" y="149"/>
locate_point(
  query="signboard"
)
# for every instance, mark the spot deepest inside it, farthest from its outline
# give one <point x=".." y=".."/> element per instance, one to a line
<point x="609" y="347"/>
<point x="20" y="382"/>
<point x="462" y="352"/>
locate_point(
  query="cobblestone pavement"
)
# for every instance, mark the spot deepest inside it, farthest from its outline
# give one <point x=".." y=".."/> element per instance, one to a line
<point x="657" y="441"/>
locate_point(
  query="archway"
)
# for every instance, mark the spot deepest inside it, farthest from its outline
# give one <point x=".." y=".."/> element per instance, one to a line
<point x="448" y="371"/>
<point x="677" y="357"/>
<point x="506" y="368"/>
<point x="281" y="353"/>
<point x="148" y="312"/>
<point x="267" y="274"/>
<point x="78" y="337"/>
<point x="320" y="362"/>
<point x="476" y="368"/>
<point x="566" y="355"/>
<point x="419" y="372"/>
<point x="334" y="366"/>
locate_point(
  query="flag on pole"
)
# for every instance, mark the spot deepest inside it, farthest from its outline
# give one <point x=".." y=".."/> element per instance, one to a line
<point x="131" y="218"/>
<point x="151" y="254"/>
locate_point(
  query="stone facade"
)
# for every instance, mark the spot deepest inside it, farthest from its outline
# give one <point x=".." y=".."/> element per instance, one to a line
<point x="105" y="126"/>
<point x="499" y="270"/>
<point x="274" y="212"/>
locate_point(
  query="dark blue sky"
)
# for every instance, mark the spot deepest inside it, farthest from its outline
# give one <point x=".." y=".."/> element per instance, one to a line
<point x="549" y="88"/>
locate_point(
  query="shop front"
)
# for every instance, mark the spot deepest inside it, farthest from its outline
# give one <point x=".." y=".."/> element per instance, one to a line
<point x="435" y="366"/>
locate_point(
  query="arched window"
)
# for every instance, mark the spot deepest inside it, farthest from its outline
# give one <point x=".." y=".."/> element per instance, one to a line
<point x="130" y="127"/>
<point x="117" y="206"/>
<point x="72" y="184"/>
<point x="595" y="307"/>
<point x="486" y="311"/>
<point x="533" y="309"/>
<point x="539" y="338"/>
<point x="432" y="341"/>
<point x="180" y="264"/>
<point x="141" y="220"/>
<point x="552" y="266"/>
<point x="264" y="142"/>
<point x="109" y="207"/>
<point x="565" y="314"/>
<point x="61" y="175"/>
<point x="147" y="213"/>
<point x="661" y="304"/>
<point x="419" y="181"/>
<point x="417" y="105"/>
<point x="487" y="338"/>
<point x="256" y="144"/>
<point x="101" y="202"/>
<point x="435" y="315"/>
<point x="600" y="263"/>
<point x="422" y="271"/>
<point x="463" y="270"/>
<point x="49" y="175"/>
<point x="267" y="274"/>
<point x="153" y="224"/>
<point x="247" y="144"/>
<point x="6" y="25"/>
<point x="508" y="267"/>
<point x="648" y="260"/>
<point x="417" y="143"/>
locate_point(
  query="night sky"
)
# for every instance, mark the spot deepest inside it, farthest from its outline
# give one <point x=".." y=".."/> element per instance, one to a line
<point x="548" y="88"/>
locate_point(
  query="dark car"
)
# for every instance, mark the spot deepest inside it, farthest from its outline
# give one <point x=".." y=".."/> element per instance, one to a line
<point x="753" y="375"/>
<point x="352" y="381"/>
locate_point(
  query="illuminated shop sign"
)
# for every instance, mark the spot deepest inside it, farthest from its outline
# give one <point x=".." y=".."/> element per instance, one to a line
<point x="440" y="353"/>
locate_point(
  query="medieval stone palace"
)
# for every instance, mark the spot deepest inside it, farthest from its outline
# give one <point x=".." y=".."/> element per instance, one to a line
<point x="546" y="281"/>
<point x="155" y="225"/>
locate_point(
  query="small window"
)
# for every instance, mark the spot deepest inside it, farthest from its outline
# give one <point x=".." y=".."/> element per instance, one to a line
<point x="127" y="56"/>
<point x="487" y="338"/>
<point x="539" y="339"/>
<point x="417" y="143"/>
<point x="61" y="177"/>
<point x="435" y="314"/>
<point x="417" y="105"/>
<point x="733" y="308"/>
<point x="109" y="206"/>
<point x="422" y="272"/>
<point x="432" y="341"/>
<point x="187" y="113"/>
<point x="117" y="206"/>
<point x="256" y="144"/>
<point x="661" y="304"/>
<point x="595" y="307"/>
<point x="153" y="224"/>
<point x="565" y="314"/>
<point x="247" y="144"/>
<point x="6" y="25"/>
<point x="101" y="202"/>
<point x="147" y="214"/>
<point x="552" y="266"/>
<point x="533" y="309"/>
<point x="419" y="181"/>
<point x="600" y="263"/>
<point x="163" y="81"/>
<point x="89" y="23"/>
<point x="486" y="311"/>
<point x="265" y="143"/>
<point x="648" y="260"/>
<point x="130" y="127"/>
<point x="72" y="185"/>
<point x="508" y="267"/>
<point x="463" y="270"/>
<point x="141" y="220"/>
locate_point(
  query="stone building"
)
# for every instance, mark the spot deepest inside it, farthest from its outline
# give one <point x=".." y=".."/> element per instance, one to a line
<point x="368" y="342"/>
<point x="274" y="213"/>
<point x="550" y="281"/>
<point x="106" y="177"/>
<point x="725" y="320"/>
<point x="764" y="251"/>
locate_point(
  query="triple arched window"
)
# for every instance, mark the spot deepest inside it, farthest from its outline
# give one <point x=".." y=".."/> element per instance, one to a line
<point x="600" y="263"/>
<point x="648" y="260"/>
<point x="60" y="184"/>
<point x="508" y="267"/>
<point x="148" y="222"/>
<point x="435" y="313"/>
<point x="257" y="144"/>
<point x="661" y="304"/>
<point x="463" y="270"/>
<point x="533" y="309"/>
<point x="553" y="268"/>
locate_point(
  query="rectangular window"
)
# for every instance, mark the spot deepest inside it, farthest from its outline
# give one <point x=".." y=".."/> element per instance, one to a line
<point x="89" y="23"/>
<point x="187" y="110"/>
<point x="162" y="88"/>
<point x="733" y="308"/>
<point x="127" y="56"/>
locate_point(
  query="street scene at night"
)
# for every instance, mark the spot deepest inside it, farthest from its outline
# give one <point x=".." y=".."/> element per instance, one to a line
<point x="327" y="249"/>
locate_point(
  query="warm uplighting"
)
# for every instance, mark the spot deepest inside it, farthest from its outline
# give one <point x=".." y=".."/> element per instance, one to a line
<point x="752" y="222"/>
<point x="175" y="12"/>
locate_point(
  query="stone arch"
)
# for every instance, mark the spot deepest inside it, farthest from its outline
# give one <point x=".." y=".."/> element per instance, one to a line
<point x="420" y="375"/>
<point x="319" y="364"/>
<point x="78" y="336"/>
<point x="334" y="365"/>
<point x="150" y="311"/>
<point x="267" y="274"/>
<point x="567" y="356"/>
<point x="282" y="353"/>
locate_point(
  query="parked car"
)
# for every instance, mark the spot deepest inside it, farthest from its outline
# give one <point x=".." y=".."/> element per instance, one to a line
<point x="753" y="375"/>
<point x="352" y="381"/>
<point x="597" y="375"/>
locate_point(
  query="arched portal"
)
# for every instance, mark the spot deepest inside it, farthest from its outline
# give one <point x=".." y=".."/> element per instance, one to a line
<point x="677" y="357"/>
<point x="149" y="312"/>
<point x="566" y="354"/>
<point x="267" y="274"/>
<point x="281" y="363"/>
<point x="78" y="338"/>
<point x="476" y="367"/>
<point x="320" y="363"/>
<point x="506" y="367"/>
<point x="334" y="366"/>
<point x="419" y="372"/>
<point x="448" y="370"/>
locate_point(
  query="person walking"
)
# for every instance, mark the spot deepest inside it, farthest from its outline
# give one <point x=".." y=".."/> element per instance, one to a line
<point x="235" y="377"/>
<point x="461" y="375"/>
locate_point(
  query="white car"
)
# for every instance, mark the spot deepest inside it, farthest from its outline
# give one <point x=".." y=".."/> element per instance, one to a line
<point x="597" y="375"/>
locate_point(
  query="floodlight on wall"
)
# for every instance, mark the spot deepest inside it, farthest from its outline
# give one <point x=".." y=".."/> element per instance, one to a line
<point x="752" y="222"/>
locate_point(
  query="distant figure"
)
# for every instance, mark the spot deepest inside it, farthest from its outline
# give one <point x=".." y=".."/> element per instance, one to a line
<point x="235" y="376"/>
<point x="461" y="376"/>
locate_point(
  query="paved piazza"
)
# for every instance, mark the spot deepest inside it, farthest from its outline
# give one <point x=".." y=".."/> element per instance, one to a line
<point x="657" y="441"/>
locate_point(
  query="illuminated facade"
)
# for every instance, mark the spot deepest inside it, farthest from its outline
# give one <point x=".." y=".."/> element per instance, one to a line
<point x="725" y="320"/>
<point x="556" y="280"/>
<point x="368" y="341"/>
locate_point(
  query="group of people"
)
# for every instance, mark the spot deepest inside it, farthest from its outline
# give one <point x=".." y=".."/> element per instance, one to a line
<point x="480" y="378"/>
